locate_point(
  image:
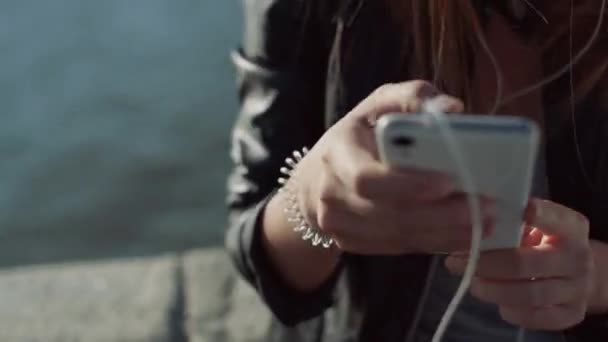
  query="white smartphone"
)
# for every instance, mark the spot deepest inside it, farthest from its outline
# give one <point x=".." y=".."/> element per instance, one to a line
<point x="501" y="153"/>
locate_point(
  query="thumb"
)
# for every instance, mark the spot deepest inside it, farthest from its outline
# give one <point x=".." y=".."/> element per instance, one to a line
<point x="532" y="237"/>
<point x="406" y="97"/>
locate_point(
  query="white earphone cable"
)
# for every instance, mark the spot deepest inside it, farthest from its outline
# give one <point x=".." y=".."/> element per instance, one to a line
<point x="468" y="183"/>
<point x="466" y="176"/>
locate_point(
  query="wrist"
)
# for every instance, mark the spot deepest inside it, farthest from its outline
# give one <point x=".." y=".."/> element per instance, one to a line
<point x="305" y="197"/>
<point x="308" y="207"/>
<point x="301" y="190"/>
<point x="302" y="266"/>
<point x="297" y="202"/>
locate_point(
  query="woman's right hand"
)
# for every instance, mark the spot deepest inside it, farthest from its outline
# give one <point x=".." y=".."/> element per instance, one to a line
<point x="370" y="208"/>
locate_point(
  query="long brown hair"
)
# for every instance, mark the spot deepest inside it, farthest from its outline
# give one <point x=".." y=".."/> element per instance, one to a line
<point x="440" y="28"/>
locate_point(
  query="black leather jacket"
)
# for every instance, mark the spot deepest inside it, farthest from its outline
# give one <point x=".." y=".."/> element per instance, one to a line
<point x="291" y="90"/>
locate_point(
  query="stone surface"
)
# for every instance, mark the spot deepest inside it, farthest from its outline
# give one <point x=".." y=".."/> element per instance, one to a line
<point x="120" y="301"/>
<point x="115" y="126"/>
<point x="195" y="298"/>
<point x="220" y="306"/>
<point x="248" y="320"/>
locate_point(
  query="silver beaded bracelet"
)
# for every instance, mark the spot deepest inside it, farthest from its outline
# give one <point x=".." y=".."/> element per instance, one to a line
<point x="292" y="209"/>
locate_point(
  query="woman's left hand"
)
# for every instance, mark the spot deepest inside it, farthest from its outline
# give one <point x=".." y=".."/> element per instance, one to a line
<point x="547" y="283"/>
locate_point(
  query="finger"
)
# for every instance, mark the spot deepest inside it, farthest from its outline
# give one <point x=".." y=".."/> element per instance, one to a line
<point x="406" y="97"/>
<point x="335" y="195"/>
<point x="402" y="187"/>
<point x="526" y="263"/>
<point x="532" y="237"/>
<point x="378" y="229"/>
<point x="537" y="293"/>
<point x="443" y="104"/>
<point x="369" y="178"/>
<point x="557" y="220"/>
<point x="553" y="318"/>
<point x="346" y="217"/>
<point x="359" y="234"/>
<point x="441" y="226"/>
<point x="369" y="228"/>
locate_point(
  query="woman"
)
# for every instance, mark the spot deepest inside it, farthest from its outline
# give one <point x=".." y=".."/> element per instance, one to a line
<point x="319" y="73"/>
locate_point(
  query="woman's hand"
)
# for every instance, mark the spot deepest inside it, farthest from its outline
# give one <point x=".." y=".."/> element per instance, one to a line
<point x="548" y="283"/>
<point x="369" y="208"/>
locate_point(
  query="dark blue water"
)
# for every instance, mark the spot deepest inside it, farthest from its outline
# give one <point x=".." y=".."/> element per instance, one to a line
<point x="114" y="126"/>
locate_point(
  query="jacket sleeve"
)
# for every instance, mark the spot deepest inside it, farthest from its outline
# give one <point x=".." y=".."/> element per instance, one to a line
<point x="281" y="68"/>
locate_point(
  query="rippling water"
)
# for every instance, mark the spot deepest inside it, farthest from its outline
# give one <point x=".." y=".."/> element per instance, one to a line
<point x="114" y="123"/>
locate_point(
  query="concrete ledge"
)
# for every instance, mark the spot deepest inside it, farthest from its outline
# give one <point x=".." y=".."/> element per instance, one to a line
<point x="196" y="298"/>
<point x="220" y="306"/>
<point x="113" y="301"/>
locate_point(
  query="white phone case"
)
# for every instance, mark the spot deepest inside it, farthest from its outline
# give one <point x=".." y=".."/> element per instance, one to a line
<point x="500" y="151"/>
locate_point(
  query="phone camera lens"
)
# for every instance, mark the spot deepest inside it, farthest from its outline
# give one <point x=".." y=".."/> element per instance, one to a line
<point x="403" y="141"/>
